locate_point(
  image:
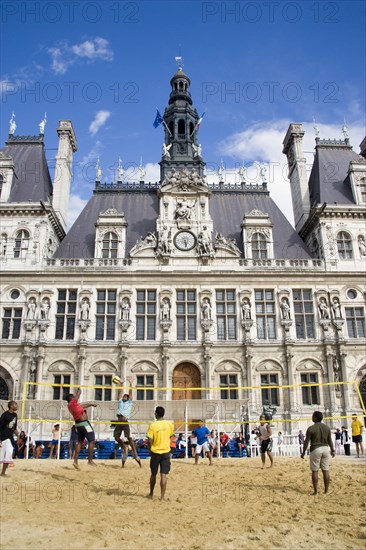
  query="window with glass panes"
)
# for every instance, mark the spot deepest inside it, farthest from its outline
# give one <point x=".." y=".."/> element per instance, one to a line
<point x="304" y="313"/>
<point x="12" y="319"/>
<point x="355" y="317"/>
<point x="265" y="314"/>
<point x="105" y="318"/>
<point x="363" y="190"/>
<point x="145" y="383"/>
<point x="259" y="247"/>
<point x="60" y="392"/>
<point x="110" y="245"/>
<point x="270" y="395"/>
<point x="103" y="394"/>
<point x="66" y="314"/>
<point x="186" y="315"/>
<point x="310" y="394"/>
<point x="226" y="314"/>
<point x="344" y="244"/>
<point x="227" y="392"/>
<point x="145" y="314"/>
<point x="21" y="244"/>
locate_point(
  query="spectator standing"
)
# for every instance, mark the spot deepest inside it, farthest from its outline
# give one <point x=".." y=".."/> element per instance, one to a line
<point x="346" y="441"/>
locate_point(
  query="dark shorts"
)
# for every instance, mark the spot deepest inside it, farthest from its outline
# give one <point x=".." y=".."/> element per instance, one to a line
<point x="357" y="438"/>
<point x="122" y="428"/>
<point x="266" y="446"/>
<point x="159" y="459"/>
<point x="54" y="442"/>
<point x="85" y="431"/>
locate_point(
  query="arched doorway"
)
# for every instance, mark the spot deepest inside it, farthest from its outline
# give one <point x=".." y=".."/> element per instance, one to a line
<point x="363" y="392"/>
<point x="187" y="376"/>
<point x="4" y="390"/>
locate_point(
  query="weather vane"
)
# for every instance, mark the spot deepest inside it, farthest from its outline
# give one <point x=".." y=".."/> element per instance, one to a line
<point x="179" y="59"/>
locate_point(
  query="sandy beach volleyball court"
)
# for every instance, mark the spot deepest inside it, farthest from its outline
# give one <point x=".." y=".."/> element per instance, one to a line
<point x="233" y="504"/>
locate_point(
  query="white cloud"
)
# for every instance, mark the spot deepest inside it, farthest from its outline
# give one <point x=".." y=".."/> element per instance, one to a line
<point x="97" y="49"/>
<point x="100" y="118"/>
<point x="65" y="55"/>
<point x="76" y="205"/>
<point x="262" y="143"/>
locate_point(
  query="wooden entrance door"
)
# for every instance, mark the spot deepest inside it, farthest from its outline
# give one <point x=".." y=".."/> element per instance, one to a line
<point x="186" y="376"/>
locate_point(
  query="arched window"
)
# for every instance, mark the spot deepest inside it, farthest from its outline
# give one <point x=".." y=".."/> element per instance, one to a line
<point x="191" y="128"/>
<point x="171" y="128"/>
<point x="259" y="247"/>
<point x="181" y="129"/>
<point x="1" y="183"/>
<point x="21" y="244"/>
<point x="344" y="243"/>
<point x="110" y="245"/>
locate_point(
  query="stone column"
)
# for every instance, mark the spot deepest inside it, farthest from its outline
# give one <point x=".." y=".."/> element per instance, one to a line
<point x="167" y="394"/>
<point x="345" y="387"/>
<point x="331" y="389"/>
<point x="123" y="356"/>
<point x="40" y="363"/>
<point x="81" y="364"/>
<point x="290" y="381"/>
<point x="248" y="367"/>
<point x="207" y="364"/>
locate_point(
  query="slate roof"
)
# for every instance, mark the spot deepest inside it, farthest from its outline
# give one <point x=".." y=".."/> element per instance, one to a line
<point x="141" y="210"/>
<point x="32" y="180"/>
<point x="328" y="179"/>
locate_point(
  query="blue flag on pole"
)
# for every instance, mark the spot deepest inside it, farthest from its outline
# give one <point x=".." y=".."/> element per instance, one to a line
<point x="158" y="119"/>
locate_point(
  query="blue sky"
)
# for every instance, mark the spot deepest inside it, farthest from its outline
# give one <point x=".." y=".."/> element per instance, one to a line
<point x="254" y="67"/>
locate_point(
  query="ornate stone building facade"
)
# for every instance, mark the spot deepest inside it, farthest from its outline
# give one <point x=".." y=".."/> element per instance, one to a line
<point x="185" y="283"/>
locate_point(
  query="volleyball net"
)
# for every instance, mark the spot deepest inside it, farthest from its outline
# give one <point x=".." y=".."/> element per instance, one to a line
<point x="230" y="406"/>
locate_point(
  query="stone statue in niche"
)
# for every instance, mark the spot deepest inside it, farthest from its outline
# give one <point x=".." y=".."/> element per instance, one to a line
<point x="206" y="309"/>
<point x="183" y="210"/>
<point x="324" y="309"/>
<point x="84" y="310"/>
<point x="336" y="307"/>
<point x="45" y="310"/>
<point x="285" y="309"/>
<point x="361" y="245"/>
<point x="31" y="311"/>
<point x="165" y="310"/>
<point x="246" y="310"/>
<point x="125" y="310"/>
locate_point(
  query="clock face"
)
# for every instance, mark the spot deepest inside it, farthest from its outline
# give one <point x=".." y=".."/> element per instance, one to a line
<point x="185" y="240"/>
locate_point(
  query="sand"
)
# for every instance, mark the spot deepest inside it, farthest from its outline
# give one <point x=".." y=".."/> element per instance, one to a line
<point x="233" y="504"/>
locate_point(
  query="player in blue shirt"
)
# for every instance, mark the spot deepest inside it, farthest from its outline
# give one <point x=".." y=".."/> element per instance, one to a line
<point x="202" y="433"/>
<point x="123" y="414"/>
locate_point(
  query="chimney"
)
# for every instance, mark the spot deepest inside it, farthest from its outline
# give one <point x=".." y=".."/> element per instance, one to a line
<point x="63" y="171"/>
<point x="292" y="148"/>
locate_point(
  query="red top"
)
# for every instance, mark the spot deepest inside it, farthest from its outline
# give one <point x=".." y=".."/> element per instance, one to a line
<point x="224" y="438"/>
<point x="76" y="409"/>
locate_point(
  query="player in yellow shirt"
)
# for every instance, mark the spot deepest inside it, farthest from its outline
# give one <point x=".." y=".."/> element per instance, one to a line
<point x="357" y="428"/>
<point x="158" y="439"/>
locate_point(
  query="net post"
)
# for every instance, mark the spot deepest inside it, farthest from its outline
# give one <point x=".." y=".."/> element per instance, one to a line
<point x="186" y="428"/>
<point x="28" y="432"/>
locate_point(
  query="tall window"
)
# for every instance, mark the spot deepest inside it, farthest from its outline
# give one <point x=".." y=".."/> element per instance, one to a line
<point x="21" y="244"/>
<point x="344" y="243"/>
<point x="66" y="314"/>
<point x="227" y="380"/>
<point x="355" y="322"/>
<point x="145" y="383"/>
<point x="265" y="314"/>
<point x="181" y="129"/>
<point x="186" y="315"/>
<point x="103" y="394"/>
<point x="270" y="395"/>
<point x="146" y="315"/>
<point x="315" y="251"/>
<point x="60" y="392"/>
<point x="363" y="190"/>
<point x="259" y="247"/>
<point x="105" y="319"/>
<point x="226" y="314"/>
<point x="1" y="183"/>
<point x="304" y="313"/>
<point x="12" y="318"/>
<point x="310" y="394"/>
<point x="110" y="245"/>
